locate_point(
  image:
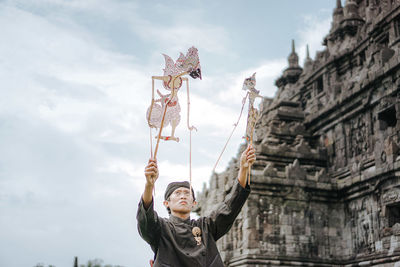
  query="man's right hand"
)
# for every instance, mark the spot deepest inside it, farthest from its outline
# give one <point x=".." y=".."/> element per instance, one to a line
<point x="151" y="172"/>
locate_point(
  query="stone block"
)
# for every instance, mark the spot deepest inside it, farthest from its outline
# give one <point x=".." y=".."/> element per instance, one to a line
<point x="332" y="231"/>
<point x="270" y="171"/>
<point x="294" y="171"/>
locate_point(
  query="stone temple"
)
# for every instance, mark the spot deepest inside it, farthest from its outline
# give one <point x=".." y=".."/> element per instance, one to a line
<point x="326" y="183"/>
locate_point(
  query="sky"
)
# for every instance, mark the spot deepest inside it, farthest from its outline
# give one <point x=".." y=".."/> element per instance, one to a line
<point x="75" y="86"/>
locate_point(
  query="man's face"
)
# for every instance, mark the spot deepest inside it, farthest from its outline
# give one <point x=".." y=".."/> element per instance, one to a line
<point x="180" y="201"/>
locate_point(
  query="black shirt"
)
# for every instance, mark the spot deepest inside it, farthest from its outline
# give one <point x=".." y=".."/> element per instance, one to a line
<point x="173" y="242"/>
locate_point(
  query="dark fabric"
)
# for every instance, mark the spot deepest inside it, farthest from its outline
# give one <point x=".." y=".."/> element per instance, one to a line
<point x="172" y="240"/>
<point x="175" y="185"/>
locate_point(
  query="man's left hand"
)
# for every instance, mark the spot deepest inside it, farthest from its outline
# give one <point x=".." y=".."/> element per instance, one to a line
<point x="248" y="156"/>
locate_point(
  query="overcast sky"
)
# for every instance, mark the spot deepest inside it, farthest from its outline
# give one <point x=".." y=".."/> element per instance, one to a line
<point x="75" y="86"/>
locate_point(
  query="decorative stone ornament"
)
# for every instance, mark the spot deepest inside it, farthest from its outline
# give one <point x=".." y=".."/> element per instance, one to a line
<point x="197" y="235"/>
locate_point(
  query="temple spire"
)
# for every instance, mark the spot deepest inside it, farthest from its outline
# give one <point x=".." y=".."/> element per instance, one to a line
<point x="308" y="60"/>
<point x="293" y="47"/>
<point x="337" y="15"/>
<point x="292" y="73"/>
<point x="293" y="57"/>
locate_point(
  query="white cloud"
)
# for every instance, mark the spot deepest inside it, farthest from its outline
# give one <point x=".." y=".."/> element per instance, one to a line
<point x="66" y="109"/>
<point x="180" y="37"/>
<point x="317" y="27"/>
<point x="266" y="75"/>
<point x="73" y="133"/>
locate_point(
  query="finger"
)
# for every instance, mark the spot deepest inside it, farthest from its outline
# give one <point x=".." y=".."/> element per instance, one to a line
<point x="153" y="172"/>
<point x="251" y="158"/>
<point x="251" y="152"/>
<point x="251" y="161"/>
<point x="251" y="155"/>
<point x="151" y="169"/>
<point x="152" y="164"/>
<point x="152" y="160"/>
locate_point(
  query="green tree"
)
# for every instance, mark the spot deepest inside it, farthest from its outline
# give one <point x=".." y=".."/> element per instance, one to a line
<point x="97" y="263"/>
<point x="43" y="265"/>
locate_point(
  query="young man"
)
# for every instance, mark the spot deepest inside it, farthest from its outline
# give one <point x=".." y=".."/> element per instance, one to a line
<point x="180" y="241"/>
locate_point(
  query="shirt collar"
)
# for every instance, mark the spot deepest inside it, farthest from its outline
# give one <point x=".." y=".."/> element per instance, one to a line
<point x="175" y="219"/>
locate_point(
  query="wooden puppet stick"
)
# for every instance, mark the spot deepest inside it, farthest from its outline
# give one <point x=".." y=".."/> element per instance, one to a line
<point x="161" y="127"/>
<point x="252" y="119"/>
<point x="148" y="118"/>
<point x="152" y="103"/>
<point x="233" y="130"/>
<point x="251" y="143"/>
<point x="256" y="116"/>
<point x="190" y="132"/>
<point x="188" y="105"/>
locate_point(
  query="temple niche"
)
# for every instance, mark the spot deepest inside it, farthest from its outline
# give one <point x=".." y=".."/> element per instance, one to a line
<point x="326" y="183"/>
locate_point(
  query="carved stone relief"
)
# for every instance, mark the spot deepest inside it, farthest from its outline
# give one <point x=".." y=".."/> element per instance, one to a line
<point x="358" y="142"/>
<point x="391" y="196"/>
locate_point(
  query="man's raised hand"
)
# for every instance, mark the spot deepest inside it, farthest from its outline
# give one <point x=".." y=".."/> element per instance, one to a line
<point x="151" y="172"/>
<point x="248" y="156"/>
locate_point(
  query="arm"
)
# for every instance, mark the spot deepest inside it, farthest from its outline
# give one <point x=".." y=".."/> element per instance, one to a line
<point x="147" y="218"/>
<point x="151" y="173"/>
<point x="148" y="224"/>
<point x="221" y="220"/>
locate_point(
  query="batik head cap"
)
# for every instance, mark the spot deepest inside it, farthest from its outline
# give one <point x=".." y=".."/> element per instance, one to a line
<point x="175" y="185"/>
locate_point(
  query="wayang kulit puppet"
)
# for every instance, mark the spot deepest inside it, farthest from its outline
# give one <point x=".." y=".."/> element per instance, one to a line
<point x="252" y="117"/>
<point x="165" y="110"/>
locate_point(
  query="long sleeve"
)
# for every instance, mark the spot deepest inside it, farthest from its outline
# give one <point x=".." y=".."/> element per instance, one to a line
<point x="221" y="219"/>
<point x="148" y="224"/>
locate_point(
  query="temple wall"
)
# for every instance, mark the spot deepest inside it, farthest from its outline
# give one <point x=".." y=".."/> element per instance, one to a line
<point x="326" y="183"/>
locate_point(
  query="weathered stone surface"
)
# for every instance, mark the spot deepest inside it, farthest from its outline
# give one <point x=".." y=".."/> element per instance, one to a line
<point x="326" y="183"/>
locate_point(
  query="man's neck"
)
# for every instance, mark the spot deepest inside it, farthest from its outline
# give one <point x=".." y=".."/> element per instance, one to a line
<point x="181" y="215"/>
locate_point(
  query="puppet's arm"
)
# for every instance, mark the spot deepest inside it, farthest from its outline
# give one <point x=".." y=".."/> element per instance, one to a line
<point x="162" y="78"/>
